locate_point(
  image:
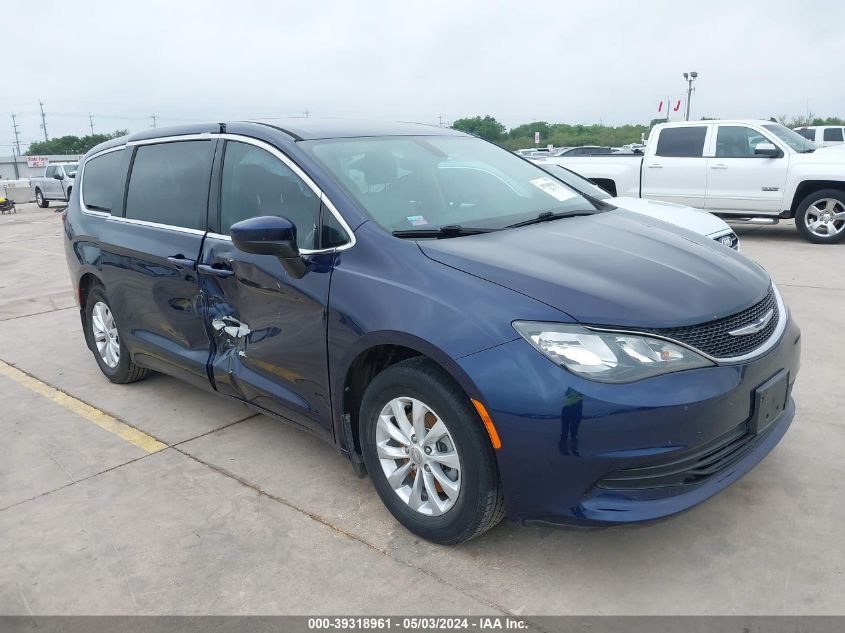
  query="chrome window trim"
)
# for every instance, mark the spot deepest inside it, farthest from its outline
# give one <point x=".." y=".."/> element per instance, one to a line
<point x="157" y="225"/>
<point x="307" y="180"/>
<point x="209" y="136"/>
<point x="774" y="339"/>
<point x="81" y="176"/>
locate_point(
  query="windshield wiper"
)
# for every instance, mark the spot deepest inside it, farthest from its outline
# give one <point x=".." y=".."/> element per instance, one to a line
<point x="548" y="216"/>
<point x="449" y="230"/>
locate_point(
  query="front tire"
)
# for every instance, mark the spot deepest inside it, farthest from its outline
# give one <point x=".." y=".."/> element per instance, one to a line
<point x="40" y="200"/>
<point x="104" y="340"/>
<point x="820" y="217"/>
<point x="428" y="453"/>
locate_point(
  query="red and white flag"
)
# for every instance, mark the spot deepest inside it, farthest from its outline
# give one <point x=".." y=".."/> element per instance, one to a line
<point x="660" y="107"/>
<point x="677" y="106"/>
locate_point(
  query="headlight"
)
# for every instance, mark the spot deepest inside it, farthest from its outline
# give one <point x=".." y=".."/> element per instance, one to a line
<point x="607" y="356"/>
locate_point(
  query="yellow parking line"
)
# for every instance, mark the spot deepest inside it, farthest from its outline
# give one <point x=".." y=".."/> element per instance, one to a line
<point x="100" y="418"/>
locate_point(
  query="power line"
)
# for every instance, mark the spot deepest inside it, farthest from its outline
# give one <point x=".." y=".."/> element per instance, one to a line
<point x="43" y="120"/>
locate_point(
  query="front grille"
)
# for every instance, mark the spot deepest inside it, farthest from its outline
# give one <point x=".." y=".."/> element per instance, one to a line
<point x="713" y="337"/>
<point x="729" y="239"/>
<point x="689" y="468"/>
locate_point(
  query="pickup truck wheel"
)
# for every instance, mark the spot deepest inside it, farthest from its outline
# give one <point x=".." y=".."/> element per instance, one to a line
<point x="428" y="453"/>
<point x="821" y="217"/>
<point x="40" y="200"/>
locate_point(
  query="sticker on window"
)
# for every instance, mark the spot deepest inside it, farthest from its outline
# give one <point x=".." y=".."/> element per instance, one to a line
<point x="417" y="220"/>
<point x="554" y="189"/>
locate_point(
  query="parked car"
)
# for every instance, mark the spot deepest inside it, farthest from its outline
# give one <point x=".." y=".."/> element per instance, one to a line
<point x="823" y="135"/>
<point x="584" y="150"/>
<point x="739" y="169"/>
<point x="688" y="218"/>
<point x="55" y="184"/>
<point x="470" y="331"/>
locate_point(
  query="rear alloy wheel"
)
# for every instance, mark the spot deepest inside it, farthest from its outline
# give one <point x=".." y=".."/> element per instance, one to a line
<point x="428" y="453"/>
<point x="821" y="217"/>
<point x="104" y="339"/>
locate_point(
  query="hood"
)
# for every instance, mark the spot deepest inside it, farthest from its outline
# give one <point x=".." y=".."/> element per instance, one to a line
<point x="689" y="218"/>
<point x="613" y="268"/>
<point x="833" y="155"/>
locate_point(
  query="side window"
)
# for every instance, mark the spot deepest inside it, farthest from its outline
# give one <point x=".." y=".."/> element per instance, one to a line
<point x="833" y="134"/>
<point x="103" y="180"/>
<point x="682" y="141"/>
<point x="737" y="141"/>
<point x="255" y="183"/>
<point x="51" y="171"/>
<point x="169" y="183"/>
<point x="807" y="133"/>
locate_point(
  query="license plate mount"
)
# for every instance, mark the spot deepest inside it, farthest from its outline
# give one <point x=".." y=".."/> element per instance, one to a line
<point x="769" y="401"/>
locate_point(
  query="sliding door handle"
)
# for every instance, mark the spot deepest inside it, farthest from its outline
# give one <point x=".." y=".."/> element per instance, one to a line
<point x="180" y="261"/>
<point x="719" y="166"/>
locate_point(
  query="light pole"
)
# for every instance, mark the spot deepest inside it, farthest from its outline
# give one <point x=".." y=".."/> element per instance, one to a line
<point x="690" y="77"/>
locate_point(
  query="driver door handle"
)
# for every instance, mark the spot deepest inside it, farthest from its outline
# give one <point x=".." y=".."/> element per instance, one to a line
<point x="217" y="270"/>
<point x="654" y="166"/>
<point x="719" y="166"/>
<point x="182" y="262"/>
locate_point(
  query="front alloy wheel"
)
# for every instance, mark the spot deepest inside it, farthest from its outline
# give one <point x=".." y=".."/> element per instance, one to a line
<point x="418" y="456"/>
<point x="820" y="217"/>
<point x="428" y="453"/>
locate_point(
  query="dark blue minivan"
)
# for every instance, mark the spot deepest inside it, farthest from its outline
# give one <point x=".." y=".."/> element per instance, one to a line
<point x="474" y="334"/>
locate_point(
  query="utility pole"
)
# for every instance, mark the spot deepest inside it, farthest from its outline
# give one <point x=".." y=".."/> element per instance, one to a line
<point x="91" y="122"/>
<point x="440" y="120"/>
<point x="307" y="113"/>
<point x="17" y="132"/>
<point x="690" y="77"/>
<point x="154" y="117"/>
<point x="43" y="120"/>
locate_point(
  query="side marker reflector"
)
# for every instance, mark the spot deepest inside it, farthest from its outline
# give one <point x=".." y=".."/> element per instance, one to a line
<point x="491" y="429"/>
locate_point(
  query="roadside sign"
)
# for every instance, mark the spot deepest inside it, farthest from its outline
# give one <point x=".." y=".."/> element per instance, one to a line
<point x="37" y="161"/>
<point x="536" y="138"/>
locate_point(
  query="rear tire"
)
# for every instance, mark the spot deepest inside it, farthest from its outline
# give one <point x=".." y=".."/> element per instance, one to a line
<point x="40" y="200"/>
<point x="469" y="500"/>
<point x="820" y="217"/>
<point x="104" y="340"/>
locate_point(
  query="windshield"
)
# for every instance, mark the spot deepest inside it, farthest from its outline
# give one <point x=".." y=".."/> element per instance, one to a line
<point x="580" y="184"/>
<point x="791" y="138"/>
<point x="425" y="182"/>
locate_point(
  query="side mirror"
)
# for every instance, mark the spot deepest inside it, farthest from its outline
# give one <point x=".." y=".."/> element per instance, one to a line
<point x="58" y="176"/>
<point x="767" y="150"/>
<point x="270" y="235"/>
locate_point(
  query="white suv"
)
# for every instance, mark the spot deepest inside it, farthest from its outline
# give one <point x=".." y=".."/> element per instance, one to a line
<point x="823" y="135"/>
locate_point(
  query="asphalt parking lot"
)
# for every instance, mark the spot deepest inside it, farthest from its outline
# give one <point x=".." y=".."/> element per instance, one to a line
<point x="158" y="498"/>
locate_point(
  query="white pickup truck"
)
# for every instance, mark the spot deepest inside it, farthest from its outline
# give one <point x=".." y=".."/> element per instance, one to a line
<point x="734" y="169"/>
<point x="55" y="184"/>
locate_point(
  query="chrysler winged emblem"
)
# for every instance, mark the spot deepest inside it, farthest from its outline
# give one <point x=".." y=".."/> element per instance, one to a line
<point x="754" y="326"/>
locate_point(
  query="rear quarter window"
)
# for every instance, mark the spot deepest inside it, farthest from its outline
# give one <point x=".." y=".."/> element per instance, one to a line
<point x="810" y="135"/>
<point x="169" y="182"/>
<point x="682" y="141"/>
<point x="833" y="134"/>
<point x="103" y="180"/>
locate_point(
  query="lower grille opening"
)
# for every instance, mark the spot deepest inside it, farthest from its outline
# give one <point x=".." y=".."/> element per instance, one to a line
<point x="690" y="468"/>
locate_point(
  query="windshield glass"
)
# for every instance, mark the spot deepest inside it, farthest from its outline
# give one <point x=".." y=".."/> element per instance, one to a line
<point x="791" y="138"/>
<point x="425" y="182"/>
<point x="580" y="184"/>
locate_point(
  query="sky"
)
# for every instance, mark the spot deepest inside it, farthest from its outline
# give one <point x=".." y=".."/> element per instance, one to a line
<point x="591" y="61"/>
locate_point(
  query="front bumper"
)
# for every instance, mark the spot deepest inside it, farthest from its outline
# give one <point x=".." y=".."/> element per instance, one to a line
<point x="566" y="439"/>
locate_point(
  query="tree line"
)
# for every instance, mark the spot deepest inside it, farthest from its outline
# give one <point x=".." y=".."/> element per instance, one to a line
<point x="71" y="144"/>
<point x="567" y="135"/>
